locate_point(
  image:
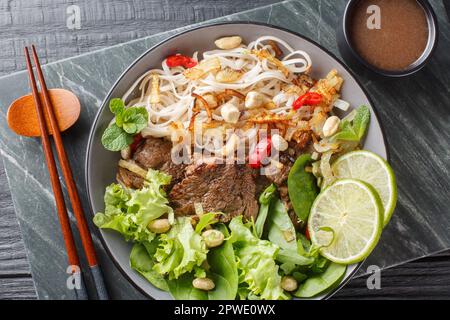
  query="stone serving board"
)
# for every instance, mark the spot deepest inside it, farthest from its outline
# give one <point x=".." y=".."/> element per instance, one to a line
<point x="415" y="113"/>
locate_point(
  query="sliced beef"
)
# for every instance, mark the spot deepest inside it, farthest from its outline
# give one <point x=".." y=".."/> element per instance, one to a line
<point x="261" y="182"/>
<point x="129" y="179"/>
<point x="279" y="177"/>
<point x="177" y="171"/>
<point x="226" y="188"/>
<point x="155" y="153"/>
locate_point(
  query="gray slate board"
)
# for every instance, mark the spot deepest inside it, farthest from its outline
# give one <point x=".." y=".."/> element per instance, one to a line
<point x="419" y="227"/>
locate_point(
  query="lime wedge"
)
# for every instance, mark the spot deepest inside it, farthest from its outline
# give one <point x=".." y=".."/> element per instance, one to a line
<point x="371" y="168"/>
<point x="346" y="220"/>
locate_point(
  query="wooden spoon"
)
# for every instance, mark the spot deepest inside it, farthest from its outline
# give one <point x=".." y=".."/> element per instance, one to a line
<point x="22" y="117"/>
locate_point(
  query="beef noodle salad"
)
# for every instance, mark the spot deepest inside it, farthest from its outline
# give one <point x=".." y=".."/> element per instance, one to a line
<point x="243" y="177"/>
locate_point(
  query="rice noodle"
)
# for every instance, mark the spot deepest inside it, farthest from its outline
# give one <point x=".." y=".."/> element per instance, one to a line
<point x="176" y="93"/>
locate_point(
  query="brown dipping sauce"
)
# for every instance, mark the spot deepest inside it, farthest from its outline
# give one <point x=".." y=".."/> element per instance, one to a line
<point x="399" y="42"/>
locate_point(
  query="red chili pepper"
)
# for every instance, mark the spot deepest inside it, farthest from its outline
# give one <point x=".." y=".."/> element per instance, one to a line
<point x="307" y="233"/>
<point x="136" y="140"/>
<point x="261" y="151"/>
<point x="308" y="99"/>
<point x="178" y="60"/>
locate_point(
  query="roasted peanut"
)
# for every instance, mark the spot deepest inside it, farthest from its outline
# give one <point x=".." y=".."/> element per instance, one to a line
<point x="288" y="283"/>
<point x="213" y="238"/>
<point x="331" y="126"/>
<point x="228" y="75"/>
<point x="230" y="113"/>
<point x="159" y="225"/>
<point x="228" y="43"/>
<point x="279" y="143"/>
<point x="205" y="284"/>
<point x="211" y="100"/>
<point x="255" y="99"/>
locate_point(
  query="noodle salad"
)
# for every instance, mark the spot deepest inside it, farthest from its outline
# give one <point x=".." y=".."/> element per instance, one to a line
<point x="298" y="202"/>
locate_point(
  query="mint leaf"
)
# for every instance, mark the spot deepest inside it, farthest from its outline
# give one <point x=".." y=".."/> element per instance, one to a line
<point x="116" y="139"/>
<point x="116" y="106"/>
<point x="134" y="119"/>
<point x="354" y="130"/>
<point x="361" y="121"/>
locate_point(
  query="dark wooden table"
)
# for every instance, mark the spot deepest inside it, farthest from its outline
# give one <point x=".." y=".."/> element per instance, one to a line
<point x="108" y="22"/>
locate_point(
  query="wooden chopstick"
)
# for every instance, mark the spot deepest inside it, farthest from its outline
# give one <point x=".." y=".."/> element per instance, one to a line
<point x="71" y="186"/>
<point x="56" y="186"/>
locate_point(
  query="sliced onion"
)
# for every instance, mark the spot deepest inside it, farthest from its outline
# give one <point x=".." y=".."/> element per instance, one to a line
<point x="133" y="167"/>
<point x="325" y="169"/>
<point x="341" y="104"/>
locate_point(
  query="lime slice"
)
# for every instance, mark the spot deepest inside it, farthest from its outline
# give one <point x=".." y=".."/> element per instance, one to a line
<point x="371" y="168"/>
<point x="346" y="220"/>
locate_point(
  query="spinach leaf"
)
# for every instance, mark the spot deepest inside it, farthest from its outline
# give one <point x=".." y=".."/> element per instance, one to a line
<point x="264" y="201"/>
<point x="141" y="261"/>
<point x="182" y="289"/>
<point x="116" y="139"/>
<point x="293" y="257"/>
<point x="302" y="187"/>
<point x="321" y="283"/>
<point x="354" y="130"/>
<point x="320" y="264"/>
<point x="223" y="269"/>
<point x="281" y="231"/>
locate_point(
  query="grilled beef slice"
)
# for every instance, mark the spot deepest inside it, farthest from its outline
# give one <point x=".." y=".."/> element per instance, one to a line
<point x="153" y="153"/>
<point x="226" y="188"/>
<point x="129" y="179"/>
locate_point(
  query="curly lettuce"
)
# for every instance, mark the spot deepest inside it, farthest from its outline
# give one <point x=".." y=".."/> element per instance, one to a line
<point x="180" y="251"/>
<point x="130" y="211"/>
<point x="256" y="263"/>
<point x="141" y="261"/>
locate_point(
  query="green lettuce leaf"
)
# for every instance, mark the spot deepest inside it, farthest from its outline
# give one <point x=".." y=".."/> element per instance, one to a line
<point x="206" y="220"/>
<point x="222" y="270"/>
<point x="141" y="261"/>
<point x="256" y="262"/>
<point x="130" y="211"/>
<point x="180" y="251"/>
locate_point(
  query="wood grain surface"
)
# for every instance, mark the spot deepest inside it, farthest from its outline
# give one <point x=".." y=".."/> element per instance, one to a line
<point x="108" y="22"/>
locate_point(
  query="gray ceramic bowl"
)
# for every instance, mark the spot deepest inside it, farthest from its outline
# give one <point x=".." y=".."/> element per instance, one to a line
<point x="101" y="164"/>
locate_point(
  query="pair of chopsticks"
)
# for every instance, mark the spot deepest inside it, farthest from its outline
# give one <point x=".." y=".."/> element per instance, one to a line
<point x="71" y="187"/>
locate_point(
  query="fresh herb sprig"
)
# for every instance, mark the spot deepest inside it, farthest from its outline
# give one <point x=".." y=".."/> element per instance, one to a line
<point x="129" y="122"/>
<point x="354" y="130"/>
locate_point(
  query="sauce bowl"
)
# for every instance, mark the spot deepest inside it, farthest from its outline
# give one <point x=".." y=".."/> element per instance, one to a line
<point x="361" y="66"/>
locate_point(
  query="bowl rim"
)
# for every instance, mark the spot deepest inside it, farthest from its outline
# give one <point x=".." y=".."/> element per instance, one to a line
<point x="433" y="39"/>
<point x="208" y="25"/>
